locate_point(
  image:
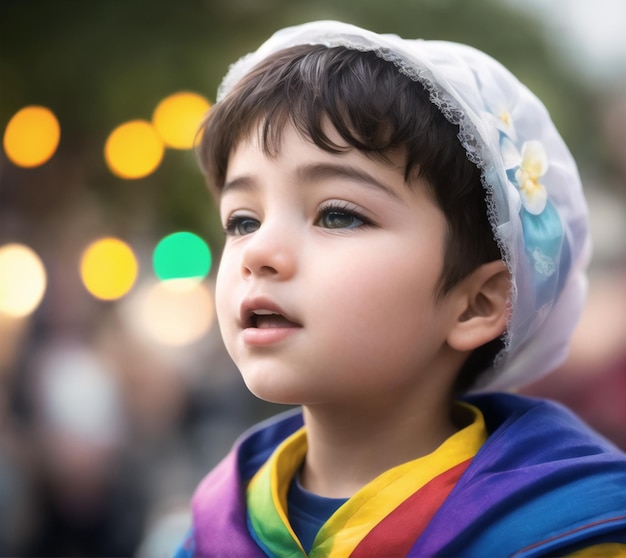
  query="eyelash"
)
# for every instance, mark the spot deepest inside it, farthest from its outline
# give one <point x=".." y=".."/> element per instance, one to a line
<point x="346" y="209"/>
<point x="233" y="223"/>
<point x="341" y="208"/>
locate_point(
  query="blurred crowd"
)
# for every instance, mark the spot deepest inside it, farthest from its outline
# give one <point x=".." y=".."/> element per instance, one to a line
<point x="104" y="436"/>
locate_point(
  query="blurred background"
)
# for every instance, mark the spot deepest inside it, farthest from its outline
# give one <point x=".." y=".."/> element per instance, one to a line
<point x="116" y="395"/>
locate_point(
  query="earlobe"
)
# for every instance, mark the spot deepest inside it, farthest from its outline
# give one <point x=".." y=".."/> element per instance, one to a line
<point x="483" y="307"/>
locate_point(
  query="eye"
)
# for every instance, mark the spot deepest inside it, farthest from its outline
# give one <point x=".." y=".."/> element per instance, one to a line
<point x="340" y="217"/>
<point x="239" y="225"/>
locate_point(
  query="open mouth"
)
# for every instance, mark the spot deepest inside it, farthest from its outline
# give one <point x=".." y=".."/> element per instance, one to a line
<point x="267" y="319"/>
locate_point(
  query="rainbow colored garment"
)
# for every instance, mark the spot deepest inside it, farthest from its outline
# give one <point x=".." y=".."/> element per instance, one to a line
<point x="541" y="484"/>
<point x="362" y="526"/>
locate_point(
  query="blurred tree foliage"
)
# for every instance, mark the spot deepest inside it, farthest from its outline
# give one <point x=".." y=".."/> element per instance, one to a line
<point x="99" y="63"/>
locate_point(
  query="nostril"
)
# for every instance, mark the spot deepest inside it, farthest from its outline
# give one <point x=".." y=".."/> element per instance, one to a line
<point x="248" y="270"/>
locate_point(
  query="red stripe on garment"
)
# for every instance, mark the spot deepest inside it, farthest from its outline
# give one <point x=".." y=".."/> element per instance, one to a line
<point x="396" y="534"/>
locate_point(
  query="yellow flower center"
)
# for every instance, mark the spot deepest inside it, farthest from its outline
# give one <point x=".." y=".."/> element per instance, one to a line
<point x="506" y="118"/>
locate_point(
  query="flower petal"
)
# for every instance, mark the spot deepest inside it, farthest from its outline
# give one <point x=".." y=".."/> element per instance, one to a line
<point x="534" y="159"/>
<point x="534" y="197"/>
<point x="510" y="154"/>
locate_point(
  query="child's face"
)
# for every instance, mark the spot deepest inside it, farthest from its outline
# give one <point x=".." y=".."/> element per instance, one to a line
<point x="346" y="257"/>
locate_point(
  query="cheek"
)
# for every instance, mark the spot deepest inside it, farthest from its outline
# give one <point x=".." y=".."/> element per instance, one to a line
<point x="389" y="297"/>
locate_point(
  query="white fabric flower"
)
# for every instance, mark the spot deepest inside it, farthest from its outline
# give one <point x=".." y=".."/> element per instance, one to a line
<point x="501" y="100"/>
<point x="528" y="166"/>
<point x="501" y="118"/>
<point x="534" y="165"/>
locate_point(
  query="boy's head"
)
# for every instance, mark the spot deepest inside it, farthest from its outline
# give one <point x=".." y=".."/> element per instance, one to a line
<point x="365" y="99"/>
<point x="450" y="114"/>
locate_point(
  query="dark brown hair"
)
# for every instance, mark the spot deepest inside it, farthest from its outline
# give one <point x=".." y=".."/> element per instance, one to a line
<point x="377" y="110"/>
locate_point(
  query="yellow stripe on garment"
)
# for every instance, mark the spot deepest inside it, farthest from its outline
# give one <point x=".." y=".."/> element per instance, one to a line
<point x="607" y="550"/>
<point x="347" y="527"/>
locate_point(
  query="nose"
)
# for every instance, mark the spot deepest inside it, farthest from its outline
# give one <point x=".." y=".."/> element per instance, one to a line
<point x="270" y="252"/>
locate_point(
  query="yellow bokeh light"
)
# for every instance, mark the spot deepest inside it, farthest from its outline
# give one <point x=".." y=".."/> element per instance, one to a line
<point x="108" y="268"/>
<point x="31" y="136"/>
<point x="134" y="149"/>
<point x="174" y="313"/>
<point x="178" y="117"/>
<point x="22" y="280"/>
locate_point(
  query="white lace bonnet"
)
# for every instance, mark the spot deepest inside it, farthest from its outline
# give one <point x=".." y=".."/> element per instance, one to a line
<point x="536" y="204"/>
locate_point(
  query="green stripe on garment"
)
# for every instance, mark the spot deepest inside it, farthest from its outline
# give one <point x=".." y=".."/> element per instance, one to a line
<point x="266" y="498"/>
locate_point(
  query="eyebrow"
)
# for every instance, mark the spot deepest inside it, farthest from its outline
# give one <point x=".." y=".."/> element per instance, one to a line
<point x="318" y="172"/>
<point x="243" y="182"/>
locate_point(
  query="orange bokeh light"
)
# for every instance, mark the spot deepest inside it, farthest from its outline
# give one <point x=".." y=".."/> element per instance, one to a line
<point x="109" y="268"/>
<point x="178" y="117"/>
<point x="134" y="150"/>
<point x="32" y="136"/>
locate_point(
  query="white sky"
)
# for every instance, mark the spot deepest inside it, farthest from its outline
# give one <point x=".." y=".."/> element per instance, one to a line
<point x="591" y="34"/>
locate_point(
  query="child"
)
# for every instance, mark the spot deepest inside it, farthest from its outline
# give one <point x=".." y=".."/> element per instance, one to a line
<point x="403" y="225"/>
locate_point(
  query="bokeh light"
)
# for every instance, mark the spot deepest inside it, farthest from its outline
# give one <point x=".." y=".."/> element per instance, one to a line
<point x="181" y="255"/>
<point x="177" y="118"/>
<point x="134" y="149"/>
<point x="31" y="136"/>
<point x="174" y="313"/>
<point x="108" y="268"/>
<point x="22" y="280"/>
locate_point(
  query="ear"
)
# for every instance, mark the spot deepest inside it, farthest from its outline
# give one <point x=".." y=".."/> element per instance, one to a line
<point x="483" y="307"/>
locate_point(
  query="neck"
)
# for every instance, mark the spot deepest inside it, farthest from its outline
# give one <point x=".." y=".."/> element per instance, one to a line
<point x="348" y="447"/>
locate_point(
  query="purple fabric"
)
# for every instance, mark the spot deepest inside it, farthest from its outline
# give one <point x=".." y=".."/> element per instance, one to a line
<point x="220" y="508"/>
<point x="220" y="527"/>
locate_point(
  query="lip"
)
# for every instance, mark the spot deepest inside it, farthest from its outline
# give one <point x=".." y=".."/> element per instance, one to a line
<point x="264" y="336"/>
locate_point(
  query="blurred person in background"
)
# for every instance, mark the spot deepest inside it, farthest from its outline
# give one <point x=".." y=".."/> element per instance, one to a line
<point x="84" y="500"/>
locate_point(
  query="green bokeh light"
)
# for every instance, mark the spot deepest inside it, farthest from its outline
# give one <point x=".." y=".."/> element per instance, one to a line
<point x="181" y="255"/>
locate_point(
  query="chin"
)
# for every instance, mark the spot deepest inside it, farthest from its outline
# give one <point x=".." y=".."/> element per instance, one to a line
<point x="274" y="391"/>
<point x="276" y="396"/>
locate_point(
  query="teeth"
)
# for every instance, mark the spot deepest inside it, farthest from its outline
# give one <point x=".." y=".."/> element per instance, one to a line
<point x="263" y="313"/>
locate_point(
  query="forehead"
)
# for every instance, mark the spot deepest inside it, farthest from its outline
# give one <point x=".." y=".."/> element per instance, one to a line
<point x="300" y="163"/>
<point x="286" y="141"/>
